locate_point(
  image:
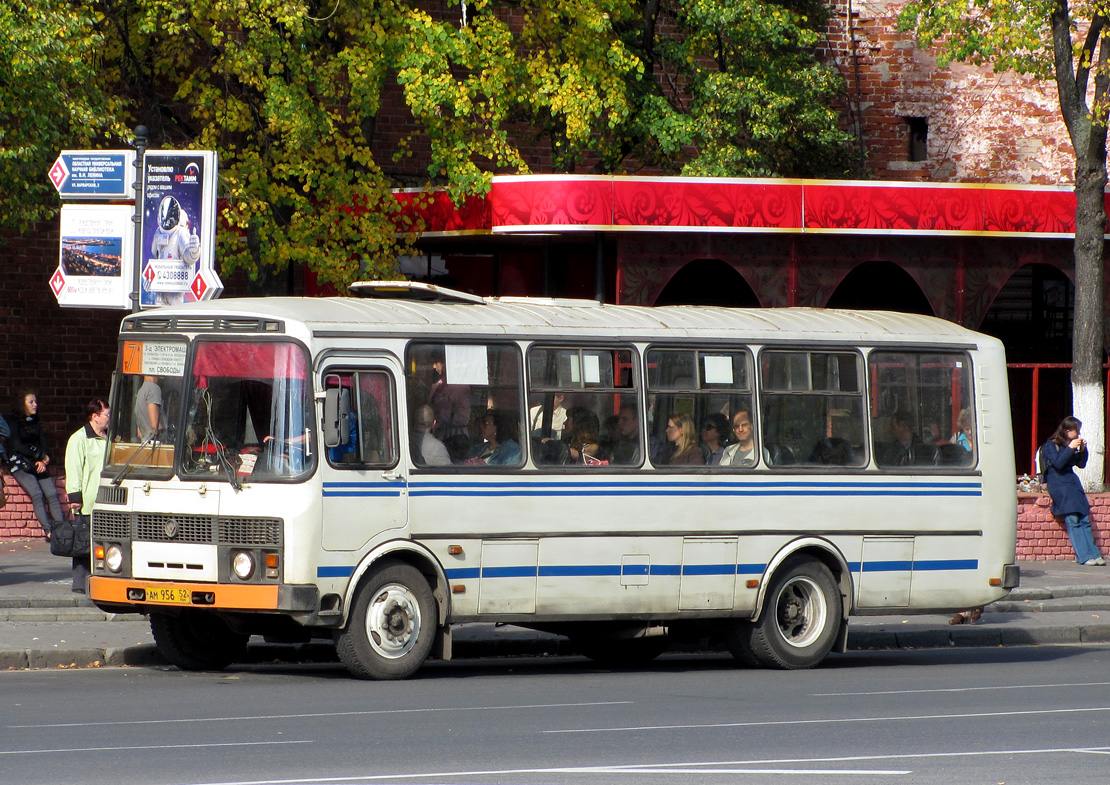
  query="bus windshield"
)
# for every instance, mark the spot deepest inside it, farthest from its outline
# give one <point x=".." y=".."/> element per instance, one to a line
<point x="239" y="412"/>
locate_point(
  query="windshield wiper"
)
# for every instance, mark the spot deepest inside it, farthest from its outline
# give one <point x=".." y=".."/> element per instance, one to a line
<point x="148" y="440"/>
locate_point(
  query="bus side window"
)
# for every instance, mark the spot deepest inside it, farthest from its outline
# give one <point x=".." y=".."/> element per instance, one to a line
<point x="582" y="407"/>
<point x="700" y="403"/>
<point x="812" y="408"/>
<point x="922" y="409"/>
<point x="370" y="437"/>
<point x="475" y="396"/>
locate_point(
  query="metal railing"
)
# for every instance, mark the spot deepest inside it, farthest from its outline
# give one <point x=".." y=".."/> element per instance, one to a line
<point x="1033" y="424"/>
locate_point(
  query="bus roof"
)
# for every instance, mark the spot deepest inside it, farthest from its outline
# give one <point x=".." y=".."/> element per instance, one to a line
<point x="545" y="317"/>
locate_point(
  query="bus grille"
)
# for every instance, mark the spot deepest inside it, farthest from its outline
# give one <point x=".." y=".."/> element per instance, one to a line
<point x="111" y="494"/>
<point x="159" y="527"/>
<point x="110" y="525"/>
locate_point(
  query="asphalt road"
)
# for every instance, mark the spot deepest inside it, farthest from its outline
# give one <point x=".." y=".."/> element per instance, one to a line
<point x="1006" y="715"/>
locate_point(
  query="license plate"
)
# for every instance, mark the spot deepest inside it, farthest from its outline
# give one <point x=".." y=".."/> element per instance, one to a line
<point x="168" y="594"/>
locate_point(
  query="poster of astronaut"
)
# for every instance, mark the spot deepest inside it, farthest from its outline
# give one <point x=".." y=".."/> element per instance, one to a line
<point x="178" y="228"/>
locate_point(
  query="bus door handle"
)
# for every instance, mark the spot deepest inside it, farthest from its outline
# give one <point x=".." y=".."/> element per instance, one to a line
<point x="393" y="476"/>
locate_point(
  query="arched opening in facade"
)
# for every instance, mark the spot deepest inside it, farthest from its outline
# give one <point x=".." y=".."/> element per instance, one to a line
<point x="1032" y="315"/>
<point x="708" y="282"/>
<point x="880" y="286"/>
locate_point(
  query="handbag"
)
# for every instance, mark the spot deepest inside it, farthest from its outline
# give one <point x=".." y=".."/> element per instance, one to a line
<point x="3" y="495"/>
<point x="61" y="538"/>
<point x="71" y="538"/>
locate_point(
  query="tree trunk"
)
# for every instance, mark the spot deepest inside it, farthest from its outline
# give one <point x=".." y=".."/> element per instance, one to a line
<point x="1087" y="375"/>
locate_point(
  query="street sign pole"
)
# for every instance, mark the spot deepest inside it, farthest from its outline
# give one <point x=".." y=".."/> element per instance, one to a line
<point x="136" y="280"/>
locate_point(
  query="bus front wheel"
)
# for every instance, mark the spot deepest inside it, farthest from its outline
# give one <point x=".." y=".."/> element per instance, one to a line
<point x="197" y="640"/>
<point x="801" y="616"/>
<point x="392" y="625"/>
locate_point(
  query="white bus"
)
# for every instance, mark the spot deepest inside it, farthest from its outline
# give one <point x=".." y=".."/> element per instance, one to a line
<point x="376" y="469"/>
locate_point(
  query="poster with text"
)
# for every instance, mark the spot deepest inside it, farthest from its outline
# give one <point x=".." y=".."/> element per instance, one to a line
<point x="96" y="256"/>
<point x="178" y="228"/>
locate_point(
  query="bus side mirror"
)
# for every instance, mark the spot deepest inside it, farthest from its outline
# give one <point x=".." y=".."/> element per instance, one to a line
<point x="337" y="417"/>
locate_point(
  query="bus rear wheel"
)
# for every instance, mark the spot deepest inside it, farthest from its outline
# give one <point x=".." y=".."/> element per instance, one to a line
<point x="392" y="625"/>
<point x="801" y="617"/>
<point x="197" y="641"/>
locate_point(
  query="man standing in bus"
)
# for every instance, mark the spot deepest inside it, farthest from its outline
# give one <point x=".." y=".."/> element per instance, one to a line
<point x="148" y="408"/>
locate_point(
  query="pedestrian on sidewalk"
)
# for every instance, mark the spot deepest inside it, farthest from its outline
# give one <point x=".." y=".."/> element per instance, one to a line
<point x="85" y="453"/>
<point x="29" y="459"/>
<point x="1065" y="450"/>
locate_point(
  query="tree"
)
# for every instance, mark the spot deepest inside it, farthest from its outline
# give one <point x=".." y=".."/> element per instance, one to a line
<point x="293" y="96"/>
<point x="1065" y="42"/>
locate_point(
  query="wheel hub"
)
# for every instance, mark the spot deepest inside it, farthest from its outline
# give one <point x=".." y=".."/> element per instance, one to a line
<point x="393" y="621"/>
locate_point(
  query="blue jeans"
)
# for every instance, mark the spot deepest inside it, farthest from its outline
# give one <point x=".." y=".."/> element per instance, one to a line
<point x="1082" y="539"/>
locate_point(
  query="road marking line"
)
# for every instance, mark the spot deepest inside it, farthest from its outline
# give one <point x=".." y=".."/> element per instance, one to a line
<point x="322" y="714"/>
<point x="770" y="723"/>
<point x="155" y="747"/>
<point x="688" y="767"/>
<point x="961" y="689"/>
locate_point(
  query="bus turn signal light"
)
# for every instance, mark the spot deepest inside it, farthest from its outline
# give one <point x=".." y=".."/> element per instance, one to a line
<point x="454" y="550"/>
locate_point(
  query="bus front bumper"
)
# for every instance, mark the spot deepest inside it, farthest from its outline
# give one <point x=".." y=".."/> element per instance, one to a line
<point x="119" y="593"/>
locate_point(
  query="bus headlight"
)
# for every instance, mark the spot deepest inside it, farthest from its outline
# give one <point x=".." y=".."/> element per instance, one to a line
<point x="113" y="558"/>
<point x="242" y="564"/>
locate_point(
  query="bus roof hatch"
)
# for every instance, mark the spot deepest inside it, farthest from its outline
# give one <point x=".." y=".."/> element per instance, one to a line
<point x="413" y="290"/>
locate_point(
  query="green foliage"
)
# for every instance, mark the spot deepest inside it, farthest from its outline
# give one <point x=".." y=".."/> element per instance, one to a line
<point x="48" y="99"/>
<point x="291" y="93"/>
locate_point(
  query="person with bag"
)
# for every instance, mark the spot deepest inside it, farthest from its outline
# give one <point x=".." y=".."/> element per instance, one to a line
<point x="85" y="453"/>
<point x="1061" y="452"/>
<point x="29" y="459"/>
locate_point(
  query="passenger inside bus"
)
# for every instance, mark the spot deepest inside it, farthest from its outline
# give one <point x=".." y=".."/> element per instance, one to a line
<point x="684" y="450"/>
<point x="584" y="441"/>
<point x="714" y="435"/>
<point x="497" y="447"/>
<point x="742" y="451"/>
<point x="427" y="450"/>
<point x="626" y="449"/>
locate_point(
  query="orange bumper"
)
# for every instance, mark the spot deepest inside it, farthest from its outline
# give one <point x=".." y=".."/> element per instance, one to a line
<point x="119" y="591"/>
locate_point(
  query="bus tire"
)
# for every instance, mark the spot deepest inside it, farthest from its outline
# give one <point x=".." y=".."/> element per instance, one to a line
<point x="801" y="617"/>
<point x="392" y="625"/>
<point x="197" y="640"/>
<point x="738" y="640"/>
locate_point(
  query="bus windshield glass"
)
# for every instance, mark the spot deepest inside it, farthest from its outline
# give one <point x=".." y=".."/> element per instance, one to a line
<point x="146" y="406"/>
<point x="238" y="414"/>
<point x="248" y="404"/>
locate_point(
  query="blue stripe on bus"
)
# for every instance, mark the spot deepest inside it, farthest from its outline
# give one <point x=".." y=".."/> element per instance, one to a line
<point x="616" y="489"/>
<point x="334" y="572"/>
<point x="462" y="573"/>
<point x="670" y="570"/>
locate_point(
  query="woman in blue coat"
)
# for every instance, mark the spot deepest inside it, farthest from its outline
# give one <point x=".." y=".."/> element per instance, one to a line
<point x="1063" y="451"/>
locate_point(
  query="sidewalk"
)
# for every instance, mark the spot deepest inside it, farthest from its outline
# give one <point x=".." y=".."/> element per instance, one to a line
<point x="44" y="625"/>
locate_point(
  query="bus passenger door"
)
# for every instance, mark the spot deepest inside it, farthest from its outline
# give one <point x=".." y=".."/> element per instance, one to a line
<point x="365" y="487"/>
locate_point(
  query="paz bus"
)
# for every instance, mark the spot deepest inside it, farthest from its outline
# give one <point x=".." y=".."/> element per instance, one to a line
<point x="375" y="469"/>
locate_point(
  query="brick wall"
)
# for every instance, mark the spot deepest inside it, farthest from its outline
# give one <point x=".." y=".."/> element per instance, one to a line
<point x="1040" y="536"/>
<point x="982" y="126"/>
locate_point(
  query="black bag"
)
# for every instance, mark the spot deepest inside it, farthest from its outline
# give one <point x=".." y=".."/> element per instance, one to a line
<point x="70" y="538"/>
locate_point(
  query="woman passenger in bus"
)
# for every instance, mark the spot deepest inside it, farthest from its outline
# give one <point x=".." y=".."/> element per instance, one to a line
<point x="680" y="433"/>
<point x="498" y="447"/>
<point x="714" y="436"/>
<point x="585" y="440"/>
